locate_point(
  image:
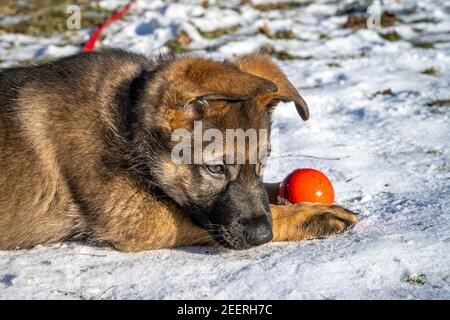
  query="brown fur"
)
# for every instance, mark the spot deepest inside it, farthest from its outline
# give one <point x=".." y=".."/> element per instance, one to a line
<point x="81" y="148"/>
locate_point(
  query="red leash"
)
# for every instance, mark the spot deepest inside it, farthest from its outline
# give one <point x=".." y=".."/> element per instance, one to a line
<point x="90" y="44"/>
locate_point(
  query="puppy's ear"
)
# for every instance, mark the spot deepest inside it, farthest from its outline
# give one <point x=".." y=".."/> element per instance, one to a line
<point x="262" y="66"/>
<point x="196" y="78"/>
<point x="179" y="92"/>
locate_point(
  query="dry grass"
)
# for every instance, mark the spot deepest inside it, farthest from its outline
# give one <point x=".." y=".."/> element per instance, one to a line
<point x="45" y="17"/>
<point x="440" y="103"/>
<point x="431" y="71"/>
<point x="390" y="36"/>
<point x="281" y="34"/>
<point x="219" y="32"/>
<point x="359" y="21"/>
<point x="281" y="55"/>
<point x="281" y="5"/>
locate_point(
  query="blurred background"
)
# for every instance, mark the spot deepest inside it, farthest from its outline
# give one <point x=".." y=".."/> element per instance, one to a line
<point x="39" y="30"/>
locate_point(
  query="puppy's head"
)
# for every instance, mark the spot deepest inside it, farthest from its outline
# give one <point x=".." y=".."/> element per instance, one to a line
<point x="203" y="131"/>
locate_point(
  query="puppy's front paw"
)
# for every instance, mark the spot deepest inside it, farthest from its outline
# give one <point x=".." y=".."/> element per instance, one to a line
<point x="327" y="221"/>
<point x="309" y="220"/>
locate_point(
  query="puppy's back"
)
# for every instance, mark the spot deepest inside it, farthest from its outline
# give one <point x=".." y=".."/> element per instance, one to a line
<point x="42" y="108"/>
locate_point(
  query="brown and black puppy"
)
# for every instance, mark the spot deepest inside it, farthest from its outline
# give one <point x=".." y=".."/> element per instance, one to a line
<point x="86" y="144"/>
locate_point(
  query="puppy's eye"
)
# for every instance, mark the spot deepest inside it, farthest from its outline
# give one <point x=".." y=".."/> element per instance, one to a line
<point x="218" y="169"/>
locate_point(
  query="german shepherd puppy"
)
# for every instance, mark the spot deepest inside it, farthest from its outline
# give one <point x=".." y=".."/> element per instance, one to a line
<point x="85" y="152"/>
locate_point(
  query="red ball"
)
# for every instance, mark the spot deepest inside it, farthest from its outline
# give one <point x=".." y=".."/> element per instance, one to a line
<point x="306" y="185"/>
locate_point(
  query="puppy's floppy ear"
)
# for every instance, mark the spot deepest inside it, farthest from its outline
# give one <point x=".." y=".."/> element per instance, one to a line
<point x="262" y="66"/>
<point x="197" y="78"/>
<point x="180" y="91"/>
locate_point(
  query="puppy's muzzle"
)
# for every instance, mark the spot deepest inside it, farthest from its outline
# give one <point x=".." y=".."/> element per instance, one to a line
<point x="257" y="231"/>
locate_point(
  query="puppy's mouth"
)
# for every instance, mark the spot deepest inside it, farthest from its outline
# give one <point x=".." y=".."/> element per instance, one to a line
<point x="230" y="237"/>
<point x="227" y="238"/>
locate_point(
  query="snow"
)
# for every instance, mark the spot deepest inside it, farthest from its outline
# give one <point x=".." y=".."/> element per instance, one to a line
<point x="387" y="155"/>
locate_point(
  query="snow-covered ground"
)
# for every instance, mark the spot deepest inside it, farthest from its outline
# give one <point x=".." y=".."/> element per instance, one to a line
<point x="379" y="128"/>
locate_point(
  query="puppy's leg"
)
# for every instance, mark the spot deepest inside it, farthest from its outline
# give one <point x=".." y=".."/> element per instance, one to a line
<point x="159" y="227"/>
<point x="309" y="220"/>
<point x="306" y="220"/>
<point x="130" y="218"/>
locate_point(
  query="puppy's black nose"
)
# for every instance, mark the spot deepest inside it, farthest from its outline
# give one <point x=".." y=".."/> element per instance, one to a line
<point x="258" y="231"/>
